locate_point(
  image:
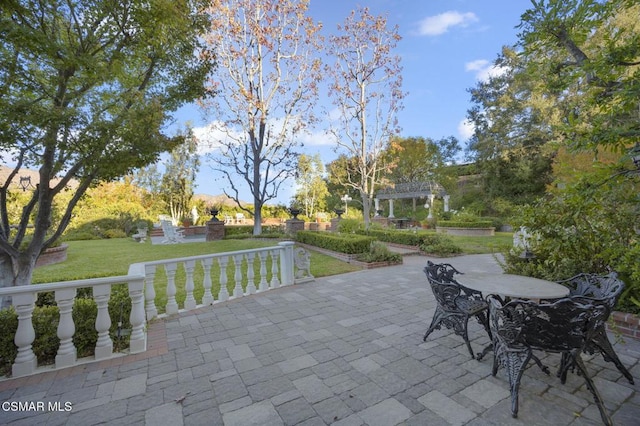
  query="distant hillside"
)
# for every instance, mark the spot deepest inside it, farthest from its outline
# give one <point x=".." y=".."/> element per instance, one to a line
<point x="33" y="174"/>
<point x="218" y="200"/>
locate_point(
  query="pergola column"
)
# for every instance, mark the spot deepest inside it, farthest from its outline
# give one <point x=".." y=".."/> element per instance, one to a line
<point x="432" y="198"/>
<point x="376" y="203"/>
<point x="446" y="202"/>
<point x="391" y="216"/>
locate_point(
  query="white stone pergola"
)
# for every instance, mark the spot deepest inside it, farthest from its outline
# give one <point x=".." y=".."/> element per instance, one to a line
<point x="412" y="190"/>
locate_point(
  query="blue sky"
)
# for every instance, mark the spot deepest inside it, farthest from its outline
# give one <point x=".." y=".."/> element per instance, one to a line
<point x="447" y="46"/>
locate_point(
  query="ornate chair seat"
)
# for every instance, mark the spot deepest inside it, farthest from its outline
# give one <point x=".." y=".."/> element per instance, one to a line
<point x="565" y="326"/>
<point x="605" y="289"/>
<point x="455" y="303"/>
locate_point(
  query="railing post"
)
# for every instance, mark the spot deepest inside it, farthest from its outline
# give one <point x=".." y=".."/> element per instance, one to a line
<point x="138" y="340"/>
<point x="237" y="289"/>
<point x="150" y="292"/>
<point x="67" y="354"/>
<point x="172" y="305"/>
<point x="104" y="345"/>
<point x="190" y="301"/>
<point x="251" y="285"/>
<point x="224" y="293"/>
<point x="264" y="285"/>
<point x="286" y="262"/>
<point x="25" y="362"/>
<point x="207" y="298"/>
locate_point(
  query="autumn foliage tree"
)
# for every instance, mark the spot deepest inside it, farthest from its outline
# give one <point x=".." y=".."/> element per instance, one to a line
<point x="365" y="87"/>
<point x="86" y="88"/>
<point x="265" y="89"/>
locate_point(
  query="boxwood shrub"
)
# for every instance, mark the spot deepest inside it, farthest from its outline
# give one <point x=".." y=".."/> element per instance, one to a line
<point x="45" y="324"/>
<point x="342" y="243"/>
<point x="465" y="224"/>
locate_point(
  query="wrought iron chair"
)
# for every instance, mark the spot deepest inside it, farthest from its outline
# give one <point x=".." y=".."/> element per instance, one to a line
<point x="605" y="288"/>
<point x="565" y="326"/>
<point x="455" y="303"/>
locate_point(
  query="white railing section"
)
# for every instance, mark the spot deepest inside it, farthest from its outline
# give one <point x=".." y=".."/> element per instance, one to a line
<point x="239" y="265"/>
<point x="275" y="265"/>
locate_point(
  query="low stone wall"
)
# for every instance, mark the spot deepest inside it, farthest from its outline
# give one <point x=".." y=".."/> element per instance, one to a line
<point x="52" y="255"/>
<point x="627" y="325"/>
<point x="469" y="232"/>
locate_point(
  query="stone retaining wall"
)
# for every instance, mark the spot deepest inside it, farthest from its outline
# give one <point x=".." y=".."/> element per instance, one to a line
<point x="626" y="324"/>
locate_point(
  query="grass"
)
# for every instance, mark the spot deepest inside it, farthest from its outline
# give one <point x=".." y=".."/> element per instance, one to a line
<point x="103" y="258"/>
<point x="498" y="243"/>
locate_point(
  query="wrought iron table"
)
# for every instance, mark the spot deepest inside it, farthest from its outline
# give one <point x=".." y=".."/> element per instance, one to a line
<point x="513" y="286"/>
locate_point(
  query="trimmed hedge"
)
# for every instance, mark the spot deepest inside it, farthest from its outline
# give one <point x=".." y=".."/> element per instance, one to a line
<point x="463" y="224"/>
<point x="398" y="237"/>
<point x="45" y="323"/>
<point x="342" y="243"/>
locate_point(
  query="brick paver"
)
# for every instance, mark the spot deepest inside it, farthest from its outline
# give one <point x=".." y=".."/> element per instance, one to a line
<point x="343" y="350"/>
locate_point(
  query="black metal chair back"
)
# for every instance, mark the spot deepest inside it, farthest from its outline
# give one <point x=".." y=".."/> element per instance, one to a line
<point x="606" y="289"/>
<point x="566" y="326"/>
<point x="455" y="302"/>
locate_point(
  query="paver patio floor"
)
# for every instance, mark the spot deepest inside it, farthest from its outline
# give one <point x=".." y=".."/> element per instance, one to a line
<point x="343" y="350"/>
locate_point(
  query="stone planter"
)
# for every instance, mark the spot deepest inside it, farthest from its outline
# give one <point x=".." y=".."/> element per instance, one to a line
<point x="52" y="255"/>
<point x="468" y="232"/>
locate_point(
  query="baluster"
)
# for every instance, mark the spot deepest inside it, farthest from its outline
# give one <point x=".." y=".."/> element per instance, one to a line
<point x="67" y="354"/>
<point x="138" y="339"/>
<point x="172" y="305"/>
<point x="25" y="362"/>
<point x="251" y="285"/>
<point x="104" y="345"/>
<point x="286" y="262"/>
<point x="264" y="285"/>
<point x="207" y="298"/>
<point x="150" y="291"/>
<point x="190" y="301"/>
<point x="224" y="293"/>
<point x="237" y="290"/>
<point x="275" y="281"/>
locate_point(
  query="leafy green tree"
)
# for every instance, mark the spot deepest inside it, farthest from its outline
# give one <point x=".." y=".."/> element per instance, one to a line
<point x="179" y="176"/>
<point x="312" y="188"/>
<point x="416" y="159"/>
<point x="586" y="55"/>
<point x="86" y="88"/>
<point x="513" y="130"/>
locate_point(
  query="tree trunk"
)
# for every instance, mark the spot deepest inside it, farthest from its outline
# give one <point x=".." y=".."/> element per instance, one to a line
<point x="257" y="218"/>
<point x="9" y="277"/>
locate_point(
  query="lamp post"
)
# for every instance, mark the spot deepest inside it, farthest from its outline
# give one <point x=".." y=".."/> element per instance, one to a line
<point x="346" y="200"/>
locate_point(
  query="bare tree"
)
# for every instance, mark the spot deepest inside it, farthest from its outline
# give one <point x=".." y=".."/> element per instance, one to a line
<point x="366" y="90"/>
<point x="265" y="89"/>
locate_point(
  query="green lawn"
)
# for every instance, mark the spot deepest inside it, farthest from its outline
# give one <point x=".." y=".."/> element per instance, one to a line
<point x="501" y="242"/>
<point x="102" y="258"/>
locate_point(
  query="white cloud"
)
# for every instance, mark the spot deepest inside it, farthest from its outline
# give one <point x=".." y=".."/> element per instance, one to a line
<point x="440" y="24"/>
<point x="484" y="69"/>
<point x="210" y="136"/>
<point x="465" y="129"/>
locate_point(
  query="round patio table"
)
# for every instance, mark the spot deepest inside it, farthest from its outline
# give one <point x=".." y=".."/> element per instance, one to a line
<point x="513" y="286"/>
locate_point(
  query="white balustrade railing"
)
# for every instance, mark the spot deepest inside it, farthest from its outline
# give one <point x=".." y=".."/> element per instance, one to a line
<point x="199" y="280"/>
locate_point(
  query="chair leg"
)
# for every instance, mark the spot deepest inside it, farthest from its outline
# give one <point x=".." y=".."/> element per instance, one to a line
<point x="602" y="343"/>
<point x="438" y="316"/>
<point x="514" y="362"/>
<point x="591" y="386"/>
<point x="465" y="336"/>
